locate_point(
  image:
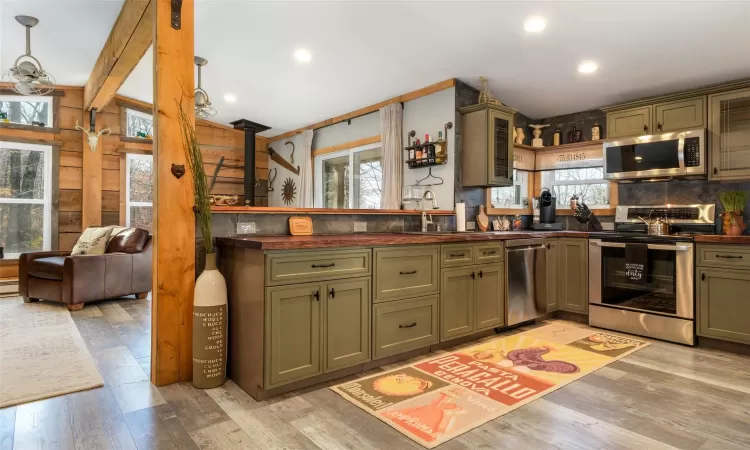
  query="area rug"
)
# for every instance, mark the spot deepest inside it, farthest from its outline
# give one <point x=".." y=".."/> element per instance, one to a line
<point x="41" y="353"/>
<point x="440" y="398"/>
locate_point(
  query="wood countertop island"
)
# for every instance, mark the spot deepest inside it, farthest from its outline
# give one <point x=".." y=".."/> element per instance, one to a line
<point x="258" y="242"/>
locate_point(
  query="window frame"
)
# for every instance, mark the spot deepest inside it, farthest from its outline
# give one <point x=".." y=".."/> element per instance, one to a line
<point x="318" y="160"/>
<point x="36" y="98"/>
<point x="525" y="193"/>
<point x="46" y="201"/>
<point x="608" y="209"/>
<point x="128" y="203"/>
<point x="140" y="112"/>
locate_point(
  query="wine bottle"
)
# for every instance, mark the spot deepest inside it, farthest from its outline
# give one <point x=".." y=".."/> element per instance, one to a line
<point x="411" y="156"/>
<point x="418" y="155"/>
<point x="440" y="151"/>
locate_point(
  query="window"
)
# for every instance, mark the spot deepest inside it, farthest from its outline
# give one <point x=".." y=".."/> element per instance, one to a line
<point x="139" y="191"/>
<point x="512" y="197"/>
<point x="357" y="170"/>
<point x="27" y="110"/>
<point x="139" y="122"/>
<point x="25" y="198"/>
<point x="587" y="183"/>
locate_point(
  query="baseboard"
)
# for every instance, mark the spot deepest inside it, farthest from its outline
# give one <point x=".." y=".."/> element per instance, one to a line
<point x="724" y="346"/>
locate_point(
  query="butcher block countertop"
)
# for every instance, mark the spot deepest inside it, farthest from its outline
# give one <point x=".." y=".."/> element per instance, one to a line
<point x="722" y="239"/>
<point x="258" y="242"/>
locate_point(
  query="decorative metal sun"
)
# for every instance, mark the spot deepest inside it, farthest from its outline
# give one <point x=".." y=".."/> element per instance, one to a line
<point x="288" y="191"/>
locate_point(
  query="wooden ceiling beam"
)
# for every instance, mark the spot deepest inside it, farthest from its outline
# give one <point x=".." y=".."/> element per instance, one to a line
<point x="130" y="38"/>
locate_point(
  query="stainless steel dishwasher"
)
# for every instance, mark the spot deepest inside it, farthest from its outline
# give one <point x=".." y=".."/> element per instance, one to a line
<point x="526" y="260"/>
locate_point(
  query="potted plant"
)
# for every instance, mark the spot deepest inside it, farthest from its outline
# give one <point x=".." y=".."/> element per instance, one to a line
<point x="734" y="205"/>
<point x="210" y="297"/>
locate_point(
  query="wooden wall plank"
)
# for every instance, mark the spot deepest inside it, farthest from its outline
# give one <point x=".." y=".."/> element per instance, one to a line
<point x="69" y="116"/>
<point x="174" y="255"/>
<point x="71" y="178"/>
<point x="71" y="140"/>
<point x="111" y="180"/>
<point x="66" y="241"/>
<point x="110" y="218"/>
<point x="69" y="221"/>
<point x="111" y="201"/>
<point x="71" y="159"/>
<point x="70" y="200"/>
<point x="8" y="270"/>
<point x="111" y="162"/>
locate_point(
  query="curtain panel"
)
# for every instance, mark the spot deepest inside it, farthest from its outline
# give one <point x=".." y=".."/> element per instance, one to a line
<point x="391" y="132"/>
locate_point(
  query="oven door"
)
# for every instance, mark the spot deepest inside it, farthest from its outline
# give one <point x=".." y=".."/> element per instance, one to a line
<point x="668" y="289"/>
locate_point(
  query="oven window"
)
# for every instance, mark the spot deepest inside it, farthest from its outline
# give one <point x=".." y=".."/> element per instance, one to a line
<point x="645" y="156"/>
<point x="657" y="294"/>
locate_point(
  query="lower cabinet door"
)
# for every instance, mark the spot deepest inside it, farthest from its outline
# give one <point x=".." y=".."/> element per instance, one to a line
<point x="573" y="264"/>
<point x="490" y="296"/>
<point x="457" y="302"/>
<point x="724" y="304"/>
<point x="552" y="275"/>
<point x="404" y="325"/>
<point x="292" y="347"/>
<point x="346" y="323"/>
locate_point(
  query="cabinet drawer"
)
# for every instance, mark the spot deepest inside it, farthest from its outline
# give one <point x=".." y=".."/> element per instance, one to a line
<point x="457" y="255"/>
<point x="405" y="325"/>
<point x="489" y="253"/>
<point x="406" y="272"/>
<point x="728" y="256"/>
<point x="300" y="267"/>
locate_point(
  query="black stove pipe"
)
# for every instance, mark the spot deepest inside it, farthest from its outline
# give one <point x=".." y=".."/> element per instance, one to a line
<point x="251" y="129"/>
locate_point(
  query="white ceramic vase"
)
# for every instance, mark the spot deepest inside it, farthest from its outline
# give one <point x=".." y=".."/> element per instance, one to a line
<point x="210" y="327"/>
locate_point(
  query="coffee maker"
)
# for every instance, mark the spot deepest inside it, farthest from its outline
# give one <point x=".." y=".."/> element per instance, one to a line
<point x="547" y="212"/>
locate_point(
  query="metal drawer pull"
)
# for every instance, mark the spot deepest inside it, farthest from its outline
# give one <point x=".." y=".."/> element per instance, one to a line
<point x="490" y="253"/>
<point x="316" y="294"/>
<point x="480" y="274"/>
<point x="333" y="293"/>
<point x="408" y="273"/>
<point x="321" y="266"/>
<point x="458" y="255"/>
<point x="729" y="256"/>
<point x="473" y="275"/>
<point x="703" y="277"/>
<point x="413" y="324"/>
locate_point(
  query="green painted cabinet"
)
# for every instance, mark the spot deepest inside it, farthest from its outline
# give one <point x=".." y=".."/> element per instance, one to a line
<point x="552" y="275"/>
<point x="573" y="268"/>
<point x="724" y="304"/>
<point x="404" y="325"/>
<point x="292" y="343"/>
<point x="729" y="135"/>
<point x="490" y="297"/>
<point x="487" y="155"/>
<point x="346" y="323"/>
<point x="680" y="114"/>
<point x="629" y="122"/>
<point x="457" y="301"/>
<point x="406" y="271"/>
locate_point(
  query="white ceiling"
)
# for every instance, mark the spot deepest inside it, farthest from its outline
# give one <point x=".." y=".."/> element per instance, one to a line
<point x="364" y="52"/>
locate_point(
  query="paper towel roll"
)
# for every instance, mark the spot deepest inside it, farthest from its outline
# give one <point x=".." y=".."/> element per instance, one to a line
<point x="461" y="216"/>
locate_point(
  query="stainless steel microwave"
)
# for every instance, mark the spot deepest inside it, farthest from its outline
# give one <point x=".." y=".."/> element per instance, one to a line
<point x="679" y="154"/>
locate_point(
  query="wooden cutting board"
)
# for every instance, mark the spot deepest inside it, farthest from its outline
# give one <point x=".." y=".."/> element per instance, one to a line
<point x="482" y="220"/>
<point x="300" y="226"/>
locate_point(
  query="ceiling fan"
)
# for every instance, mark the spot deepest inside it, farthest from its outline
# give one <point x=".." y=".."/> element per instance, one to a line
<point x="203" y="108"/>
<point x="27" y="75"/>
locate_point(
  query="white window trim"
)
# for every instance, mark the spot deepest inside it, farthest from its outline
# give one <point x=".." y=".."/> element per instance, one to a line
<point x="47" y="201"/>
<point x="522" y="181"/>
<point x="128" y="203"/>
<point x="318" y="176"/>
<point x="34" y="98"/>
<point x="136" y="113"/>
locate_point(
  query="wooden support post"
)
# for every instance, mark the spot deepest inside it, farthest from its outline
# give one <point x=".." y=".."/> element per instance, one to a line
<point x="91" y="208"/>
<point x="174" y="220"/>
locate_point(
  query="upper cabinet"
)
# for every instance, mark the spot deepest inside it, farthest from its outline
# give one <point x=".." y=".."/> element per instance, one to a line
<point x="487" y="153"/>
<point x="657" y="118"/>
<point x="729" y="135"/>
<point x="629" y="122"/>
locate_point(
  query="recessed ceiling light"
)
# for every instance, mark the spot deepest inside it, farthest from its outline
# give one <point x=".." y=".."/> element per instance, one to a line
<point x="588" y="66"/>
<point x="535" y="24"/>
<point x="303" y="55"/>
<point x="230" y="98"/>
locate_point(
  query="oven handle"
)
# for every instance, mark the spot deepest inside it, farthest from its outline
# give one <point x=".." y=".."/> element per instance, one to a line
<point x="675" y="248"/>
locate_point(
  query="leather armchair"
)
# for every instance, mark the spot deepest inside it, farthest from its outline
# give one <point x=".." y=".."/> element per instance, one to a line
<point x="75" y="280"/>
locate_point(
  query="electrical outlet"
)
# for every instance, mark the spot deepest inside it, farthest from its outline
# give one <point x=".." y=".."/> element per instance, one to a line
<point x="471" y="226"/>
<point x="246" y="227"/>
<point x="360" y="227"/>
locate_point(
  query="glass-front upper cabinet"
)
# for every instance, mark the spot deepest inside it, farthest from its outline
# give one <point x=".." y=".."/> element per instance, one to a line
<point x="487" y="153"/>
<point x="729" y="121"/>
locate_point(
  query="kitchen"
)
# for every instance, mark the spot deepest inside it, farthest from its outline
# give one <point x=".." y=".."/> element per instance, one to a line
<point x="475" y="262"/>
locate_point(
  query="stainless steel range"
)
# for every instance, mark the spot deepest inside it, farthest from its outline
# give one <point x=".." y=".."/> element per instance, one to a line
<point x="644" y="284"/>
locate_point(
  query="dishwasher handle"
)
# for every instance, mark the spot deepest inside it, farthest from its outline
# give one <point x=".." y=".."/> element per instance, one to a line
<point x="529" y="248"/>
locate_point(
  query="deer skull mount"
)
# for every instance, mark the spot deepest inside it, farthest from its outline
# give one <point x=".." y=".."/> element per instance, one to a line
<point x="92" y="136"/>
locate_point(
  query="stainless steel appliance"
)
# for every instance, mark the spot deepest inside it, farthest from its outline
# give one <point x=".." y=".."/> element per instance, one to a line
<point x="680" y="154"/>
<point x="527" y="279"/>
<point x="661" y="306"/>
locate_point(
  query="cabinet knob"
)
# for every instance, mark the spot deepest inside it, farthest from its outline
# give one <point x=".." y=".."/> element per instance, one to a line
<point x="645" y="128"/>
<point x="333" y="293"/>
<point x="473" y="275"/>
<point x="658" y="126"/>
<point x="480" y="274"/>
<point x="716" y="171"/>
<point x="703" y="277"/>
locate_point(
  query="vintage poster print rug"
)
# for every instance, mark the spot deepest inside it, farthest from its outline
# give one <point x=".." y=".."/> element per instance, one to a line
<point x="437" y="399"/>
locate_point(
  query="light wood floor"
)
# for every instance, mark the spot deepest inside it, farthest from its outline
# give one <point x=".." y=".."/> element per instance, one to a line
<point x="664" y="396"/>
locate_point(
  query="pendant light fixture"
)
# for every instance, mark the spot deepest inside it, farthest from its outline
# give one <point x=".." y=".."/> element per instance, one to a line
<point x="203" y="108"/>
<point x="27" y="75"/>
